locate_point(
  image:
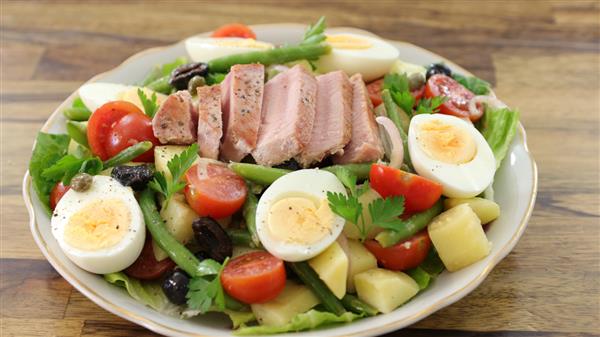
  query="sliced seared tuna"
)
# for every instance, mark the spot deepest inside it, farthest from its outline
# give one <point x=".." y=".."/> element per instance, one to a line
<point x="241" y="99"/>
<point x="175" y="120"/>
<point x="287" y="116"/>
<point x="332" y="127"/>
<point x="210" y="126"/>
<point x="365" y="145"/>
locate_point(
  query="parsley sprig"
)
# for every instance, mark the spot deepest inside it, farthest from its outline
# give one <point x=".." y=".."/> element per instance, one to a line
<point x="150" y="105"/>
<point x="430" y="105"/>
<point x="384" y="212"/>
<point x="68" y="166"/>
<point x="204" y="294"/>
<point x="177" y="166"/>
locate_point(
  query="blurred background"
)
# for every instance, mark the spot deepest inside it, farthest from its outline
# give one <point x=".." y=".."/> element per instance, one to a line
<point x="543" y="57"/>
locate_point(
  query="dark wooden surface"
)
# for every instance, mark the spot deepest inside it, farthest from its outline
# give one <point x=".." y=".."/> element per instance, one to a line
<point x="542" y="56"/>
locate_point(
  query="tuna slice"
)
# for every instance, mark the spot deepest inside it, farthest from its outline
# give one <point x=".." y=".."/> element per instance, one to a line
<point x="333" y="119"/>
<point x="287" y="116"/>
<point x="241" y="99"/>
<point x="210" y="125"/>
<point x="175" y="120"/>
<point x="365" y="145"/>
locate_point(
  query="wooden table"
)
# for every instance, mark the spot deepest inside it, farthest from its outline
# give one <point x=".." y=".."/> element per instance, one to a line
<point x="542" y="57"/>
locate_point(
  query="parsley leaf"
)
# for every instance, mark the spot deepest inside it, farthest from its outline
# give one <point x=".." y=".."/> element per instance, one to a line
<point x="348" y="207"/>
<point x="396" y="82"/>
<point x="68" y="166"/>
<point x="385" y="212"/>
<point x="347" y="178"/>
<point x="177" y="166"/>
<point x="315" y="33"/>
<point x="474" y="84"/>
<point x="430" y="105"/>
<point x="150" y="105"/>
<point x="404" y="100"/>
<point x="203" y="294"/>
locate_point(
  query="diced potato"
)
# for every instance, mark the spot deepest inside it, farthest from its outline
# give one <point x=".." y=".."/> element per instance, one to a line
<point x="458" y="237"/>
<point x="385" y="289"/>
<point x="332" y="267"/>
<point x="294" y="299"/>
<point x="401" y="67"/>
<point x="485" y="209"/>
<point x="178" y="218"/>
<point x="360" y="259"/>
<point x="350" y="229"/>
<point x="131" y="96"/>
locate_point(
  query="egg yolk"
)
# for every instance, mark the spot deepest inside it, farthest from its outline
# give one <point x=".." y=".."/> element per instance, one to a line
<point x="298" y="220"/>
<point x="100" y="224"/>
<point x="446" y="143"/>
<point x="348" y="42"/>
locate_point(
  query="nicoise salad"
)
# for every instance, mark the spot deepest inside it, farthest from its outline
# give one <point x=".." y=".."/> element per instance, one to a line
<point x="287" y="187"/>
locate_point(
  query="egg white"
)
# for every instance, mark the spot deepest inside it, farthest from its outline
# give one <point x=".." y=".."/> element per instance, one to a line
<point x="110" y="259"/>
<point x="204" y="49"/>
<point x="372" y="63"/>
<point x="458" y="180"/>
<point x="94" y="95"/>
<point x="313" y="182"/>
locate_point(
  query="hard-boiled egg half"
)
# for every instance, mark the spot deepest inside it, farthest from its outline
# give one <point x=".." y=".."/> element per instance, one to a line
<point x="94" y="95"/>
<point x="354" y="53"/>
<point x="102" y="229"/>
<point x="452" y="152"/>
<point x="293" y="218"/>
<point x="204" y="49"/>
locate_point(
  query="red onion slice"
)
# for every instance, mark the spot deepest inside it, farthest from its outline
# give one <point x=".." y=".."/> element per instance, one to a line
<point x="396" y="154"/>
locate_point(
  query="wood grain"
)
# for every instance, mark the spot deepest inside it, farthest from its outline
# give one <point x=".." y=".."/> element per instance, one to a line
<point x="542" y="56"/>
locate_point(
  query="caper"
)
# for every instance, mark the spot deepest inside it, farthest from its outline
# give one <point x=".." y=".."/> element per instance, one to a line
<point x="81" y="182"/>
<point x="416" y="81"/>
<point x="194" y="83"/>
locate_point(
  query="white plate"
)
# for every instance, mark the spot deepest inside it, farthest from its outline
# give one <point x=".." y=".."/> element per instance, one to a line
<point x="515" y="190"/>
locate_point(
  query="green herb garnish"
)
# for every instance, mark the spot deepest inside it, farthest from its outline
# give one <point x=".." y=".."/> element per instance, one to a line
<point x="177" y="166"/>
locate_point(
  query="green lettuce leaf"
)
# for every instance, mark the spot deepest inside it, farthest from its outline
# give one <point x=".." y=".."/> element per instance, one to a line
<point x="149" y="293"/>
<point x="474" y="84"/>
<point x="498" y="128"/>
<point x="238" y="318"/>
<point x="49" y="149"/>
<point x="305" y="321"/>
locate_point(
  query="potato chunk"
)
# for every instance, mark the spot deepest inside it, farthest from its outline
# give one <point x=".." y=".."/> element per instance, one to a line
<point x="385" y="289"/>
<point x="360" y="259"/>
<point x="485" y="209"/>
<point x="178" y="218"/>
<point x="458" y="237"/>
<point x="350" y="229"/>
<point x="294" y="299"/>
<point x="332" y="267"/>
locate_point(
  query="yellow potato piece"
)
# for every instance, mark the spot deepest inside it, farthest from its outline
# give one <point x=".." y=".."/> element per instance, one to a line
<point x="458" y="237"/>
<point x="332" y="267"/>
<point x="294" y="299"/>
<point x="485" y="209"/>
<point x="384" y="289"/>
<point x="360" y="259"/>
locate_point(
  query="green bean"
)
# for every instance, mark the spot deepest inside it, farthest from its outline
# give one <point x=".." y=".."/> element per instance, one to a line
<point x="414" y="224"/>
<point x="357" y="306"/>
<point x="161" y="85"/>
<point x="240" y="237"/>
<point x="176" y="251"/>
<point x="128" y="154"/>
<point x="318" y="287"/>
<point x="78" y="132"/>
<point x="420" y="276"/>
<point x="77" y="114"/>
<point x="361" y="171"/>
<point x="259" y="174"/>
<point x="249" y="212"/>
<point x="270" y="56"/>
<point x="392" y="112"/>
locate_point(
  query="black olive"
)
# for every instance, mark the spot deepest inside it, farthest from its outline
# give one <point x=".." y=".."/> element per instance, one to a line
<point x="181" y="76"/>
<point x="291" y="164"/>
<point x="437" y="68"/>
<point x="212" y="238"/>
<point x="136" y="176"/>
<point x="175" y="286"/>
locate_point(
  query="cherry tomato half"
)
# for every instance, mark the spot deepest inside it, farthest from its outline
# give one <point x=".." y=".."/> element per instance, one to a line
<point x="374" y="89"/>
<point x="419" y="193"/>
<point x="57" y="193"/>
<point x="255" y="277"/>
<point x="458" y="97"/>
<point x="214" y="190"/>
<point x="146" y="267"/>
<point x="404" y="255"/>
<point x="117" y="125"/>
<point x="234" y="30"/>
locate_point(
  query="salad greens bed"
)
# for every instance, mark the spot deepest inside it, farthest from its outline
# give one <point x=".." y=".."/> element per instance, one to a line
<point x="394" y="227"/>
